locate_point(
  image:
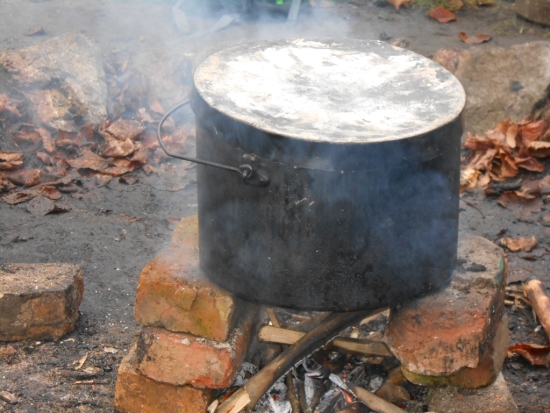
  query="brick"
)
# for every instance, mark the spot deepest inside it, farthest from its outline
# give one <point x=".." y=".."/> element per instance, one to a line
<point x="484" y="374"/>
<point x="495" y="398"/>
<point x="181" y="358"/>
<point x="136" y="393"/>
<point x="174" y="294"/>
<point x="452" y="329"/>
<point x="39" y="300"/>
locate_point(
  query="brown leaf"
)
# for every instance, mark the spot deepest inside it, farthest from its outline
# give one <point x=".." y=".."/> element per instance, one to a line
<point x="506" y="168"/>
<point x="536" y="355"/>
<point x="533" y="130"/>
<point x="150" y="141"/>
<point x="10" y="160"/>
<point x="455" y="5"/>
<point x="517" y="201"/>
<point x="47" y="141"/>
<point x="42" y="206"/>
<point x="398" y="3"/>
<point x="123" y="130"/>
<point x="89" y="160"/>
<point x="18" y="197"/>
<point x="5" y="185"/>
<point x="477" y="143"/>
<point x="121" y="166"/>
<point x="544" y="185"/>
<point x="65" y="138"/>
<point x="45" y="158"/>
<point x="519" y="244"/>
<point x="25" y="177"/>
<point x="35" y="31"/>
<point x="28" y="136"/>
<point x="529" y="163"/>
<point x="155" y="106"/>
<point x="127" y="179"/>
<point x="50" y="192"/>
<point x="442" y="15"/>
<point x="512" y="135"/>
<point x="118" y="149"/>
<point x="141" y="155"/>
<point x="476" y="39"/>
<point x="7" y="104"/>
<point x="468" y="178"/>
<point x="539" y="149"/>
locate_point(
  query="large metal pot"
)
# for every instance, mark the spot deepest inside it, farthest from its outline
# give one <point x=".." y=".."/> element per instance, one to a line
<point x="348" y="158"/>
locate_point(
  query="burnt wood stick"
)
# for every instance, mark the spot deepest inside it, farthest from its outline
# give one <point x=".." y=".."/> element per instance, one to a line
<point x="257" y="386"/>
<point x="374" y="402"/>
<point x="291" y="394"/>
<point x="535" y="293"/>
<point x="286" y="336"/>
<point x="302" y="395"/>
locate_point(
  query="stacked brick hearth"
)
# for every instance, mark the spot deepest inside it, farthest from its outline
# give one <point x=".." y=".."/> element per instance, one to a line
<point x="194" y="336"/>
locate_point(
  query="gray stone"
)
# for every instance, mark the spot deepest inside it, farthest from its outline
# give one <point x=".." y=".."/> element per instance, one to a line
<point x="500" y="83"/>
<point x="495" y="398"/>
<point x="63" y="80"/>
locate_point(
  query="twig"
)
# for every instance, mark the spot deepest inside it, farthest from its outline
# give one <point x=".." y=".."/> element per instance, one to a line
<point x="534" y="291"/>
<point x="374" y="402"/>
<point x="255" y="388"/>
<point x="474" y="206"/>
<point x="302" y="395"/>
<point x="272" y="317"/>
<point x="365" y="347"/>
<point x="291" y="393"/>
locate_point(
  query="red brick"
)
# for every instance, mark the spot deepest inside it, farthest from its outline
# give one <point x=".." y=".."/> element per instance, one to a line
<point x="136" y="393"/>
<point x="482" y="375"/>
<point x="452" y="329"/>
<point x="174" y="294"/>
<point x="39" y="300"/>
<point x="181" y="358"/>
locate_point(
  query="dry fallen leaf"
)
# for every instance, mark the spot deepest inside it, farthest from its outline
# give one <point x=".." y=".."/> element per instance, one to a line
<point x="35" y="31"/>
<point x="10" y="160"/>
<point x="5" y="185"/>
<point x="25" y="177"/>
<point x="478" y="38"/>
<point x="127" y="179"/>
<point x="398" y="3"/>
<point x="7" y="105"/>
<point x="89" y="160"/>
<point x="518" y="201"/>
<point x="122" y="129"/>
<point x="41" y="206"/>
<point x="27" y="136"/>
<point x="118" y="149"/>
<point x="442" y="15"/>
<point x="468" y="178"/>
<point x="519" y="244"/>
<point x="18" y="197"/>
<point x="47" y="140"/>
<point x="155" y="106"/>
<point x="50" y="193"/>
<point x="536" y="355"/>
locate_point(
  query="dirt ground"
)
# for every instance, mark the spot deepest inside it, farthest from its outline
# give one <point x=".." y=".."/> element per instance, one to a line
<point x="116" y="229"/>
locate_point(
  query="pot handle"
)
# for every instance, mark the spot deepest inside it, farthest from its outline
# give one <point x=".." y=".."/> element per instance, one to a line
<point x="246" y="171"/>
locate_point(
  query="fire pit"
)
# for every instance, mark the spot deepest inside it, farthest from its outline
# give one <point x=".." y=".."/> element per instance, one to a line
<point x="329" y="173"/>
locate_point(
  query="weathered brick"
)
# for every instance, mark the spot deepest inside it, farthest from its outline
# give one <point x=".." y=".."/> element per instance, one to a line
<point x="484" y="374"/>
<point x="495" y="398"/>
<point x="181" y="358"/>
<point x="136" y="393"/>
<point x="39" y="300"/>
<point x="174" y="294"/>
<point x="453" y="329"/>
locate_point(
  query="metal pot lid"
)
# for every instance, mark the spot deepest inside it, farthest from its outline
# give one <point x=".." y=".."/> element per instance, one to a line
<point x="331" y="90"/>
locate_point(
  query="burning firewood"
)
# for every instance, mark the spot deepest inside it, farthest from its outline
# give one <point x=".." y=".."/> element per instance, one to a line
<point x="534" y="291"/>
<point x="284" y="336"/>
<point x="255" y="388"/>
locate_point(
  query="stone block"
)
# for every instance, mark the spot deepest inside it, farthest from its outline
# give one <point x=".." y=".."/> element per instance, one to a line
<point x="39" y="300"/>
<point x="454" y="328"/>
<point x="181" y="358"/>
<point x="136" y="393"/>
<point x="173" y="293"/>
<point x="500" y="83"/>
<point x="495" y="398"/>
<point x="485" y="373"/>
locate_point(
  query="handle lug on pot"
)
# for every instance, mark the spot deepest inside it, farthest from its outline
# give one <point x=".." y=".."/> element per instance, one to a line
<point x="252" y="172"/>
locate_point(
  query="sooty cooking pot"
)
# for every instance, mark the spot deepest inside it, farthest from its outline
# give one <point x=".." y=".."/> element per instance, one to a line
<point x="328" y="174"/>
